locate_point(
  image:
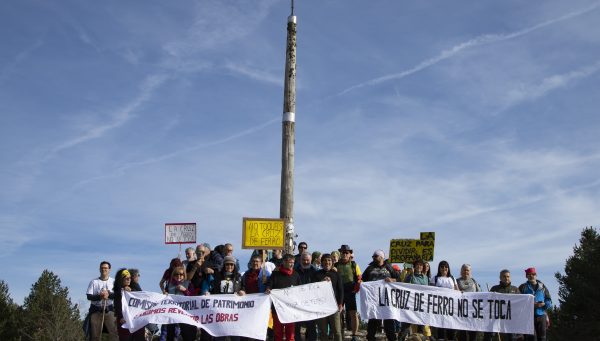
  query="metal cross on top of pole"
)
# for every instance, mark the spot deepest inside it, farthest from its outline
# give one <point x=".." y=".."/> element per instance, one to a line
<point x="286" y="208"/>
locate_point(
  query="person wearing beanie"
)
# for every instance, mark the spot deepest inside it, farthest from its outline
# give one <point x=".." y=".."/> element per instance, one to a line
<point x="316" y="259"/>
<point x="283" y="277"/>
<point x="541" y="303"/>
<point x="228" y="280"/>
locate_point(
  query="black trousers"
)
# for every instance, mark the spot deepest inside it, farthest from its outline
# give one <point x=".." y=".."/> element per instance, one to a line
<point x="389" y="327"/>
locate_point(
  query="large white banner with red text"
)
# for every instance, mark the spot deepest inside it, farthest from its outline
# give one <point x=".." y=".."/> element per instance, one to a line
<point x="219" y="315"/>
<point x="445" y="308"/>
<point x="229" y="315"/>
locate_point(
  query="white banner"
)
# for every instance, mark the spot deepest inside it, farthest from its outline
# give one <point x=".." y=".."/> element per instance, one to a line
<point x="219" y="315"/>
<point x="445" y="308"/>
<point x="304" y="302"/>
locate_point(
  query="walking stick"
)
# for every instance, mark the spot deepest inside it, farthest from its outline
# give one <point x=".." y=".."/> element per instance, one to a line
<point x="102" y="324"/>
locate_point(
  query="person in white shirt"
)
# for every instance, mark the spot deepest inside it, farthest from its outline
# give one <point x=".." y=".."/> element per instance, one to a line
<point x="100" y="293"/>
<point x="444" y="279"/>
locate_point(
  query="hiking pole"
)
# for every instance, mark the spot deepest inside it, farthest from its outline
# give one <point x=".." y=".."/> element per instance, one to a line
<point x="102" y="324"/>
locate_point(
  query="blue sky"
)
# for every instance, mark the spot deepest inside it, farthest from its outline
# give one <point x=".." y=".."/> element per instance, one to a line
<point x="477" y="120"/>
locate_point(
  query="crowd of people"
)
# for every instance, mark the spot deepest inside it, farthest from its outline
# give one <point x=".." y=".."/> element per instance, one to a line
<point x="208" y="271"/>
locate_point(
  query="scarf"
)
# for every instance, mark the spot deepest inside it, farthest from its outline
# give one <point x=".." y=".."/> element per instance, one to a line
<point x="286" y="271"/>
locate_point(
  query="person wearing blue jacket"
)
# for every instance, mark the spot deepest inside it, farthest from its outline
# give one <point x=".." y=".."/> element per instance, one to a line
<point x="542" y="302"/>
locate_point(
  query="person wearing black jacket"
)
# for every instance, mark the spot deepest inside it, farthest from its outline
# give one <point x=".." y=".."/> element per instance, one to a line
<point x="307" y="272"/>
<point x="283" y="277"/>
<point x="333" y="321"/>
<point x="379" y="269"/>
<point x="123" y="282"/>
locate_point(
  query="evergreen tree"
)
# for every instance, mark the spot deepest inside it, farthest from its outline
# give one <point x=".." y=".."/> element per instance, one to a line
<point x="9" y="315"/>
<point x="578" y="317"/>
<point x="48" y="313"/>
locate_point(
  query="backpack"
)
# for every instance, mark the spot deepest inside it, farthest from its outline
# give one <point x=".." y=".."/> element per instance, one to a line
<point x="353" y="267"/>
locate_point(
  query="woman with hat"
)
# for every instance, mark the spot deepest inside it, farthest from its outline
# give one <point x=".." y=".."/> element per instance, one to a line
<point x="227" y="281"/>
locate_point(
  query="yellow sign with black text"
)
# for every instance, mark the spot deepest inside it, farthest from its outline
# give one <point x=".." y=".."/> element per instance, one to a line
<point x="407" y="250"/>
<point x="263" y="233"/>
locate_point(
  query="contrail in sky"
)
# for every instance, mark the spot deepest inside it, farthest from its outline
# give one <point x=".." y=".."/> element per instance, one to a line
<point x="477" y="41"/>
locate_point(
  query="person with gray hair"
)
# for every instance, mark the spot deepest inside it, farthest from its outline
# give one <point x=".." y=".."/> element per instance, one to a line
<point x="466" y="283"/>
<point x="307" y="272"/>
<point x="190" y="256"/>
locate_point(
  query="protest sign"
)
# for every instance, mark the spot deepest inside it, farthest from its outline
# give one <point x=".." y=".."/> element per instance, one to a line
<point x="304" y="302"/>
<point x="180" y="233"/>
<point x="263" y="233"/>
<point x="219" y="315"/>
<point x="446" y="308"/>
<point x="407" y="250"/>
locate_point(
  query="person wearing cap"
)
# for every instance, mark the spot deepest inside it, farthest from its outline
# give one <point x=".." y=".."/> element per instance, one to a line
<point x="541" y="303"/>
<point x="327" y="273"/>
<point x="228" y="280"/>
<point x="351" y="279"/>
<point x="316" y="259"/>
<point x="283" y="277"/>
<point x="100" y="293"/>
<point x="378" y="270"/>
<point x="504" y="287"/>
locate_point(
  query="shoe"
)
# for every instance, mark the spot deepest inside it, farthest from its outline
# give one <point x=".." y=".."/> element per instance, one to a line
<point x="354" y="338"/>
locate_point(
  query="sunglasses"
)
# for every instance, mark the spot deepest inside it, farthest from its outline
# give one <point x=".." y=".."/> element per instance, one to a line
<point x="178" y="274"/>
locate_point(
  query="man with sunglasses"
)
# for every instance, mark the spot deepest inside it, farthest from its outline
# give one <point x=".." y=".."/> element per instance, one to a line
<point x="302" y="247"/>
<point x="541" y="303"/>
<point x="351" y="278"/>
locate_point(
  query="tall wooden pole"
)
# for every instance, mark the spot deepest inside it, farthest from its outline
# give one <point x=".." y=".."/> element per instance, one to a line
<point x="286" y="207"/>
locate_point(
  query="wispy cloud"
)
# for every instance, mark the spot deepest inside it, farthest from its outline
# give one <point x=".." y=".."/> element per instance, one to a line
<point x="530" y="92"/>
<point x="253" y="73"/>
<point x="10" y="67"/>
<point x="477" y="41"/>
<point x="217" y="24"/>
<point x="122" y="169"/>
<point x="119" y="117"/>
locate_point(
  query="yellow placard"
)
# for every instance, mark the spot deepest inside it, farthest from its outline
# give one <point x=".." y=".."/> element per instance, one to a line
<point x="263" y="233"/>
<point x="407" y="250"/>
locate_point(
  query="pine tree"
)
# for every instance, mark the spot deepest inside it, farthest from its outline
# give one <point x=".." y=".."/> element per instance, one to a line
<point x="48" y="313"/>
<point x="9" y="315"/>
<point x="578" y="317"/>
